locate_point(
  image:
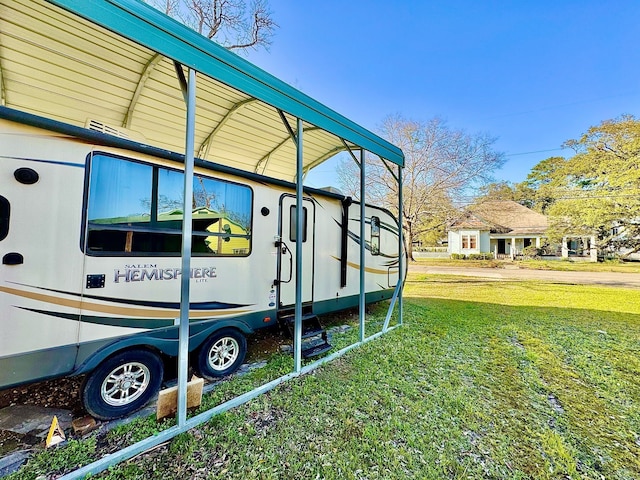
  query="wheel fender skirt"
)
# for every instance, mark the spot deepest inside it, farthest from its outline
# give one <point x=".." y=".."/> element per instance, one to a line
<point x="163" y="340"/>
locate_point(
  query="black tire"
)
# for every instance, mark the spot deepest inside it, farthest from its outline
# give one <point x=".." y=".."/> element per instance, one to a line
<point x="122" y="384"/>
<point x="221" y="354"/>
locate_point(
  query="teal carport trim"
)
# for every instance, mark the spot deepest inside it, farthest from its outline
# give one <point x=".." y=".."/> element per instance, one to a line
<point x="147" y="26"/>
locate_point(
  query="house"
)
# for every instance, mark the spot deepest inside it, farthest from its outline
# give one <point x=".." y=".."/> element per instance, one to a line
<point x="501" y="227"/>
<point x="229" y="236"/>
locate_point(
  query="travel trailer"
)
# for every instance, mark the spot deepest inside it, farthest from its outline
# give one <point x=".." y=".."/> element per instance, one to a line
<point x="90" y="237"/>
<point x="104" y="108"/>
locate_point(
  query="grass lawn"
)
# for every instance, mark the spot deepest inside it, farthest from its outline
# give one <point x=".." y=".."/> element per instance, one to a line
<point x="558" y="265"/>
<point x="485" y="380"/>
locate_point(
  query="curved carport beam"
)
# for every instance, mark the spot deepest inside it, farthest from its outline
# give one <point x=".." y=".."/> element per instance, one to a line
<point x="322" y="158"/>
<point x="331" y="153"/>
<point x="205" y="146"/>
<point x="264" y="161"/>
<point x="146" y="73"/>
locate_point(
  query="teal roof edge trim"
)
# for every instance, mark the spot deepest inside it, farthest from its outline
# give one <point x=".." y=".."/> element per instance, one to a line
<point x="147" y="26"/>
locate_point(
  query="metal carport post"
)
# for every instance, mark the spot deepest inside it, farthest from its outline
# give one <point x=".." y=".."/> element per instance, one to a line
<point x="401" y="259"/>
<point x="397" y="294"/>
<point x="363" y="218"/>
<point x="185" y="280"/>
<point x="297" y="343"/>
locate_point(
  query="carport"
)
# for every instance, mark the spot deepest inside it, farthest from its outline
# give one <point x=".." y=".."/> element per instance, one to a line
<point x="120" y="66"/>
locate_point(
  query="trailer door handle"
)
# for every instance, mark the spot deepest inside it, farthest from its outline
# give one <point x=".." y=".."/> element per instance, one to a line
<point x="13" y="258"/>
<point x="285" y="249"/>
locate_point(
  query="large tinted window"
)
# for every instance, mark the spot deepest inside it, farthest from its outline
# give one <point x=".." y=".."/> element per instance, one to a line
<point x="136" y="209"/>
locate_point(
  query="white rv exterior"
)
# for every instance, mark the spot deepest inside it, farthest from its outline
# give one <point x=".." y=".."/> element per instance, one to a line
<point x="90" y="248"/>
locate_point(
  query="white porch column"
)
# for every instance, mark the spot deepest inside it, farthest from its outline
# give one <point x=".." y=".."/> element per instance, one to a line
<point x="565" y="250"/>
<point x="537" y="242"/>
<point x="513" y="248"/>
<point x="593" y="250"/>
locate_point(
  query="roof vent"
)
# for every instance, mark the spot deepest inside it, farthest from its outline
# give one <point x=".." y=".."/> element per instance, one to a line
<point x="120" y="132"/>
<point x="332" y="190"/>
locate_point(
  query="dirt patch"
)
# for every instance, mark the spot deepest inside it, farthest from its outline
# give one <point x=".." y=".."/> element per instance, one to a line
<point x="59" y="393"/>
<point x="264" y="343"/>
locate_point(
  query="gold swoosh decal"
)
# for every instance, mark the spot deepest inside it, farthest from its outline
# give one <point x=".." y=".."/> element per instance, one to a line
<point x="114" y="310"/>
<point x="368" y="269"/>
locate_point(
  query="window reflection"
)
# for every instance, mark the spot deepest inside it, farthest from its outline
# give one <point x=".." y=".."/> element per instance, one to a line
<point x="375" y="236"/>
<point x="136" y="208"/>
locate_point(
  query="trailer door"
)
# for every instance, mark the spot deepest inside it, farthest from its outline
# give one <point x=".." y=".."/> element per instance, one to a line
<point x="287" y="251"/>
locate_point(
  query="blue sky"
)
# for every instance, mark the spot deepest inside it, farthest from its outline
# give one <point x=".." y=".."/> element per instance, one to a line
<point x="532" y="73"/>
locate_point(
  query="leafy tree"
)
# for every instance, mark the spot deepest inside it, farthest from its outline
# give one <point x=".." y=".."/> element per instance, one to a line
<point x="518" y="192"/>
<point x="497" y="191"/>
<point x="597" y="191"/>
<point x="235" y="24"/>
<point x="442" y="165"/>
<point x="544" y="181"/>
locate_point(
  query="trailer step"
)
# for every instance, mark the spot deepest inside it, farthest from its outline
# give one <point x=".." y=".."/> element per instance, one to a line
<point x="311" y="330"/>
<point x="311" y="326"/>
<point x="316" y="350"/>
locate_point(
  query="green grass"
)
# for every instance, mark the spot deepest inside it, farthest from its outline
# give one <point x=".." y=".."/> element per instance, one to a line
<point x="448" y="262"/>
<point x="557" y="265"/>
<point x="485" y="380"/>
<point x="571" y="266"/>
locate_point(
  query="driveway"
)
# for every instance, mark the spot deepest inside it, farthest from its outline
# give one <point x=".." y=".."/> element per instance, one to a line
<point x="613" y="279"/>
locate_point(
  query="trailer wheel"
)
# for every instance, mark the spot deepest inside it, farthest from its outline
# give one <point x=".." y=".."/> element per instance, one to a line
<point x="221" y="354"/>
<point x="122" y="384"/>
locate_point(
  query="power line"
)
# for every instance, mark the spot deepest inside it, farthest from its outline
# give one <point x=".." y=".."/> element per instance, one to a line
<point x="581" y="197"/>
<point x="536" y="151"/>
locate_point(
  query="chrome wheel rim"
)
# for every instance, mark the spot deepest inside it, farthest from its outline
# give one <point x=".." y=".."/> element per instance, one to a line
<point x="223" y="353"/>
<point x="125" y="384"/>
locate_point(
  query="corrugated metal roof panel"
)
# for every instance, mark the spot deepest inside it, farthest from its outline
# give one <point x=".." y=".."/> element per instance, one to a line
<point x="64" y="67"/>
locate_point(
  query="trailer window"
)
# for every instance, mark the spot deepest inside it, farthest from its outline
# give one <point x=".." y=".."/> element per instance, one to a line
<point x="293" y="223"/>
<point x="375" y="236"/>
<point x="119" y="192"/>
<point x="5" y="210"/>
<point x="136" y="209"/>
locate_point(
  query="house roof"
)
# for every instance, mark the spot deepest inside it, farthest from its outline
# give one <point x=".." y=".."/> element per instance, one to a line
<point x="502" y="216"/>
<point x="110" y="65"/>
<point x="469" y="221"/>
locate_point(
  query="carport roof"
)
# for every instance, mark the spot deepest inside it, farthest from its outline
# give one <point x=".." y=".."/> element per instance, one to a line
<point x="110" y="64"/>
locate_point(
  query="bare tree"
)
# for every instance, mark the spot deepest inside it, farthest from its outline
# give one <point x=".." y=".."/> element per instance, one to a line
<point x="442" y="166"/>
<point x="235" y="24"/>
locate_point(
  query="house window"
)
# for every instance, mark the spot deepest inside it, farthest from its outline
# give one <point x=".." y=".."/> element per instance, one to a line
<point x="469" y="241"/>
<point x="135" y="208"/>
